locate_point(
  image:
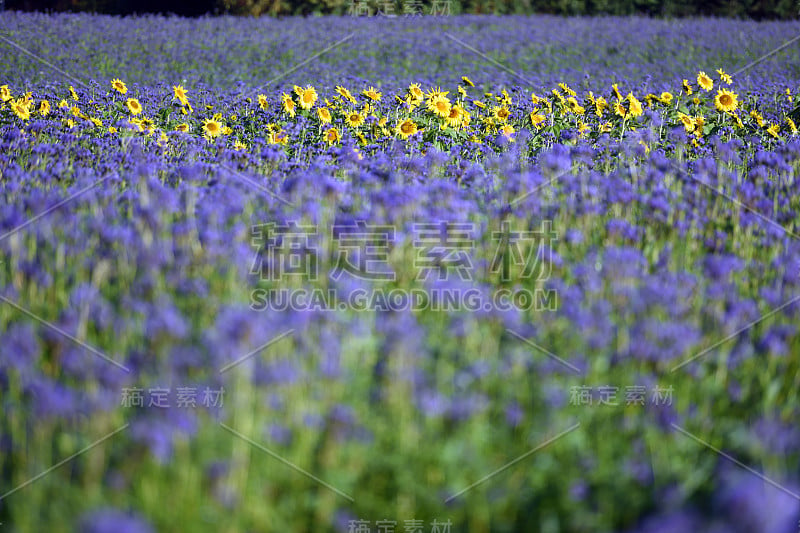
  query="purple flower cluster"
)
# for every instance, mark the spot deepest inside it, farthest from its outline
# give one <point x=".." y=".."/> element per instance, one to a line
<point x="126" y="261"/>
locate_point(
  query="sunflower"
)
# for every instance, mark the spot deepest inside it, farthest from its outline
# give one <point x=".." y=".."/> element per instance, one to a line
<point x="135" y="121"/>
<point x="212" y="128"/>
<point x="147" y="124"/>
<point x="354" y="119"/>
<point x="332" y="136"/>
<point x="605" y="127"/>
<point x="600" y="104"/>
<point x="634" y="105"/>
<point x="792" y="125"/>
<point x="466" y="118"/>
<point x="619" y="109"/>
<point x="724" y="76"/>
<point x="479" y="104"/>
<point x="726" y="101"/>
<point x="307" y="97"/>
<point x="455" y="117"/>
<point x="324" y="115"/>
<point x="73" y="93"/>
<point x="20" y="108"/>
<point x="439" y="105"/>
<point x="537" y="118"/>
<point x="406" y="128"/>
<point x="288" y="105"/>
<point x="687" y="87"/>
<point x="665" y="98"/>
<point x="44" y="108"/>
<point x="704" y="81"/>
<point x="773" y="130"/>
<point x="618" y="94"/>
<point x="119" y="86"/>
<point x="436" y="91"/>
<point x="500" y="113"/>
<point x="508" y="131"/>
<point x="262" y="101"/>
<point x="574" y="106"/>
<point x="699" y="122"/>
<point x="277" y="137"/>
<point x="372" y="93"/>
<point x="415" y="93"/>
<point x="755" y="115"/>
<point x="5" y="94"/>
<point x="688" y="123"/>
<point x="134" y="106"/>
<point x="180" y="93"/>
<point x="344" y="93"/>
<point x="239" y="145"/>
<point x="467" y="81"/>
<point x="564" y="87"/>
<point x="182" y="127"/>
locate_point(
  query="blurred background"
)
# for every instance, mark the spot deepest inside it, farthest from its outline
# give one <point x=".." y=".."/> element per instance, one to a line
<point x="756" y="9"/>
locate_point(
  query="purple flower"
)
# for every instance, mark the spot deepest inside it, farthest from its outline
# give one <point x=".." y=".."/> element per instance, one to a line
<point x="110" y="520"/>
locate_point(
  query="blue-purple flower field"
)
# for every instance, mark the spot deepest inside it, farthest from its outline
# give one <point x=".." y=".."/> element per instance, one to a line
<point x="429" y="274"/>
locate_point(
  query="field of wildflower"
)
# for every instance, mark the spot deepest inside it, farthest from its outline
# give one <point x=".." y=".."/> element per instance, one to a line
<point x="421" y="274"/>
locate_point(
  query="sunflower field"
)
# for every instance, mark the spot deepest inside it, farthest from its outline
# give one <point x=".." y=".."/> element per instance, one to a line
<point x="399" y="274"/>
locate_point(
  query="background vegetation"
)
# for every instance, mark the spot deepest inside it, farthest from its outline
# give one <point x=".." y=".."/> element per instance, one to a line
<point x="758" y="9"/>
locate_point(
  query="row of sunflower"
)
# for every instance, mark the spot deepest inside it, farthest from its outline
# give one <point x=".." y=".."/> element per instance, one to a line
<point x="413" y="114"/>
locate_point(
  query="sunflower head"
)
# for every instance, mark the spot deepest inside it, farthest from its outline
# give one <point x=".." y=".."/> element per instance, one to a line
<point x="372" y="93"/>
<point x="134" y="106"/>
<point x="354" y="119"/>
<point x="307" y="97"/>
<point x="324" y="115"/>
<point x="439" y="105"/>
<point x="726" y="101"/>
<point x="180" y="94"/>
<point x="332" y="136"/>
<point x="406" y="128"/>
<point x="634" y="105"/>
<point x="704" y="81"/>
<point x="500" y="113"/>
<point x="119" y="86"/>
<point x="537" y="118"/>
<point x="212" y="128"/>
<point x="288" y="105"/>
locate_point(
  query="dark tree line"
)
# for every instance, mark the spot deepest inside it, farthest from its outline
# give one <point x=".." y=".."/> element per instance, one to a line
<point x="757" y="9"/>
